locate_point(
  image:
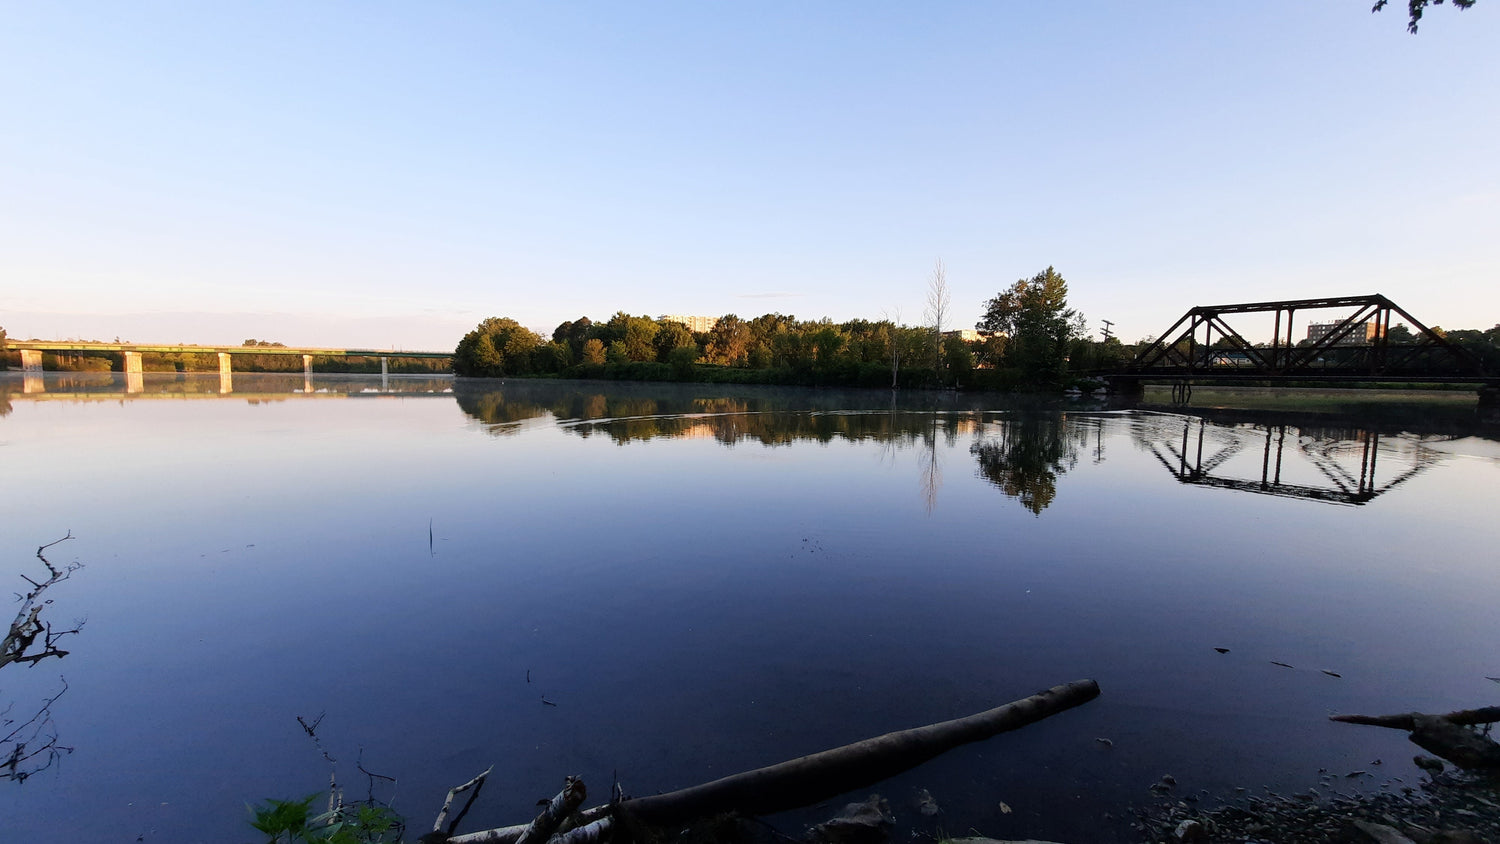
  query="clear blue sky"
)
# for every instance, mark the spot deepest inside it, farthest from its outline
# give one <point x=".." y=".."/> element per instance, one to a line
<point x="388" y="174"/>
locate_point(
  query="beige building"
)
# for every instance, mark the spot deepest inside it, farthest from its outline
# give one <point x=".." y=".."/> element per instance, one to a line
<point x="694" y="323"/>
<point x="968" y="335"/>
<point x="1361" y="334"/>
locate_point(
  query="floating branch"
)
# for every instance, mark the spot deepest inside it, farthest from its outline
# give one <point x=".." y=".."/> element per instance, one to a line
<point x="21" y="637"/>
<point x="1447" y="736"/>
<point x="1406" y="721"/>
<point x="810" y="779"/>
<point x="474" y="784"/>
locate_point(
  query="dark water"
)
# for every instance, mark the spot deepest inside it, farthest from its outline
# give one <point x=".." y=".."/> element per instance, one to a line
<point x="705" y="581"/>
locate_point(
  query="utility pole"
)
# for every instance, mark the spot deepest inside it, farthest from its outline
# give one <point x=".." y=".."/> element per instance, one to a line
<point x="1107" y="326"/>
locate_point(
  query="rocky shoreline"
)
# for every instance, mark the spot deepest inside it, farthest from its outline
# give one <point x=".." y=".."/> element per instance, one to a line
<point x="1446" y="807"/>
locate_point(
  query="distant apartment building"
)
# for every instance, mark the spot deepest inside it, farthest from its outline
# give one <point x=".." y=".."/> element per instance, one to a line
<point x="968" y="335"/>
<point x="1362" y="334"/>
<point x="694" y="323"/>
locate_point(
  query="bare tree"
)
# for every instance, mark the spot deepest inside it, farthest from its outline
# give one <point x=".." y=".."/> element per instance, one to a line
<point x="896" y="346"/>
<point x="937" y="311"/>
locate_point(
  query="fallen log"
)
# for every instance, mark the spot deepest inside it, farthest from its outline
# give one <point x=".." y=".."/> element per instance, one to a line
<point x="819" y="776"/>
<point x="1405" y="720"/>
<point x="1443" y="735"/>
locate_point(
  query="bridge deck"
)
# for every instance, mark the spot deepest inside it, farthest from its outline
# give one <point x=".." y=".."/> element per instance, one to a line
<point x="80" y="346"/>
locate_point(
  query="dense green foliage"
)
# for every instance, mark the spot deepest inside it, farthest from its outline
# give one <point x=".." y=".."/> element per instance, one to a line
<point x="497" y="347"/>
<point x="1034" y="314"/>
<point x="769" y="349"/>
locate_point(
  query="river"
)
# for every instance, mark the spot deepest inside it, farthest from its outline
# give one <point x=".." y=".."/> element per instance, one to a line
<point x="666" y="584"/>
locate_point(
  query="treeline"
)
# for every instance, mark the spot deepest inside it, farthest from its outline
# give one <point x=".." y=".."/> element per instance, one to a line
<point x="769" y="349"/>
<point x="1030" y="338"/>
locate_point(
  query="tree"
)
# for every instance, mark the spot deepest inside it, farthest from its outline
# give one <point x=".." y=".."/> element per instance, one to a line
<point x="636" y="335"/>
<point x="1034" y="313"/>
<point x="574" y="333"/>
<point x="593" y="351"/>
<point x="937" y="311"/>
<point x="1415" y="8"/>
<point x="497" y="347"/>
<point x="671" y="336"/>
<point x="729" y="341"/>
<point x="2" y="338"/>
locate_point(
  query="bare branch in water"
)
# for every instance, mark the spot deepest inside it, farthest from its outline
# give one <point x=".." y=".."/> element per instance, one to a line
<point x="20" y="643"/>
<point x="31" y="746"/>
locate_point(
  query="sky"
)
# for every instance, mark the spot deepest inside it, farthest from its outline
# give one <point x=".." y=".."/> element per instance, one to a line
<point x="387" y="175"/>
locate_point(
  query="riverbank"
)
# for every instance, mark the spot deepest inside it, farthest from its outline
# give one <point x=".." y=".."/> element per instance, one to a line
<point x="1441" y="807"/>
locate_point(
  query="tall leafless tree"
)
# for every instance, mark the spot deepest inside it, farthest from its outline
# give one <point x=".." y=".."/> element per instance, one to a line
<point x="937" y="311"/>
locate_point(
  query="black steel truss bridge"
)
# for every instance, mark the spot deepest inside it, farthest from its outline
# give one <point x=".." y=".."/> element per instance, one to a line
<point x="1353" y="346"/>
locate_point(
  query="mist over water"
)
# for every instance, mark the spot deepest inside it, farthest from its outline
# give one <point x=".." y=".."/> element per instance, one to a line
<point x="707" y="580"/>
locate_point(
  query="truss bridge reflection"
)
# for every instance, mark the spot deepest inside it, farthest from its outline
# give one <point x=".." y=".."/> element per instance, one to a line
<point x="1335" y="465"/>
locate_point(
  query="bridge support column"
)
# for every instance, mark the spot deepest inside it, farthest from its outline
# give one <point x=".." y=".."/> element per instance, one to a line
<point x="385" y="373"/>
<point x="1489" y="404"/>
<point x="226" y="374"/>
<point x="1125" y="388"/>
<point x="31" y="360"/>
<point x="307" y="366"/>
<point x="135" y="382"/>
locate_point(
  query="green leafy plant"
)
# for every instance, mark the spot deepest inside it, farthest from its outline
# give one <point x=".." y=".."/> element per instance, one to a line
<point x="291" y="821"/>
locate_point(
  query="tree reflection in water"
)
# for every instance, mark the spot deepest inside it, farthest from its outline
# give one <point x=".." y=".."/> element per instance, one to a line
<point x="1022" y="456"/>
<point x="1022" y="452"/>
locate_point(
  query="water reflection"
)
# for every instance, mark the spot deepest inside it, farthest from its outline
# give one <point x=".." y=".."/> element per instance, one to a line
<point x="253" y="386"/>
<point x="1023" y="453"/>
<point x="1338" y="465"/>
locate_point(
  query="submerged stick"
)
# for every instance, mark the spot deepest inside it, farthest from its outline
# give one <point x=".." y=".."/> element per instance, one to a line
<point x="476" y="784"/>
<point x="810" y="779"/>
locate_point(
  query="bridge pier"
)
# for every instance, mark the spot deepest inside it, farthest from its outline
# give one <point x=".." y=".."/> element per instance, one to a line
<point x="306" y="366"/>
<point x="1489" y="404"/>
<point x="226" y="375"/>
<point x="135" y="380"/>
<point x="1125" y="388"/>
<point x="31" y="360"/>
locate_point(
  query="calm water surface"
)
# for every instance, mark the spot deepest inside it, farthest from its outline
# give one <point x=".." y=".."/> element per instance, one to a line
<point x="704" y="581"/>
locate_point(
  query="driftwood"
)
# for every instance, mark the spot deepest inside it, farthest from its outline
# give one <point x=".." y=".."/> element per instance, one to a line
<point x="810" y="779"/>
<point x="1443" y="735"/>
<point x="475" y="784"/>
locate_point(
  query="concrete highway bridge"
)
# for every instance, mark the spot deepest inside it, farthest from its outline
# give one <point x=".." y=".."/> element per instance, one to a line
<point x="31" y="358"/>
<point x="31" y="353"/>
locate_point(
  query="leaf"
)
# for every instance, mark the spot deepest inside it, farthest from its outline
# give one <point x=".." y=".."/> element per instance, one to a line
<point x="1333" y="673"/>
<point x="1004" y="809"/>
<point x="1222" y="650"/>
